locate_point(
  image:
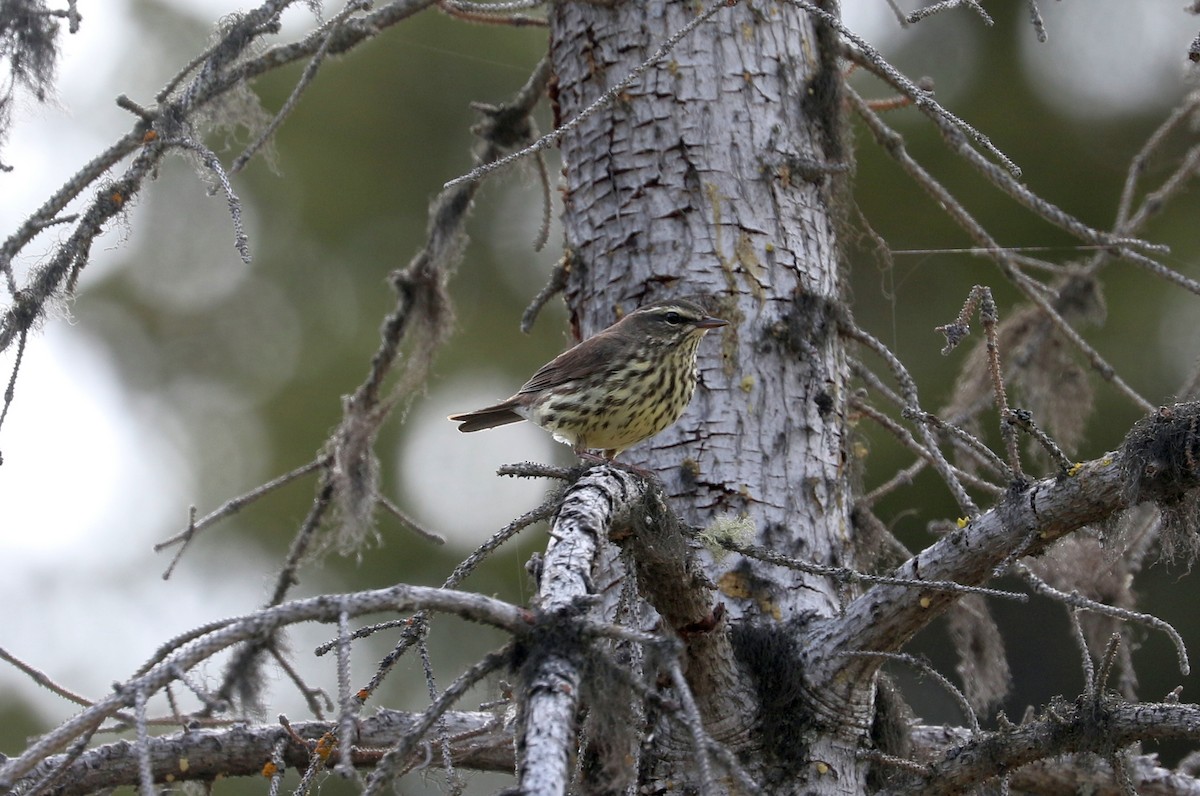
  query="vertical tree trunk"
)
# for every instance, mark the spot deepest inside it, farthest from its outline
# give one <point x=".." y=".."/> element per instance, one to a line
<point x="715" y="173"/>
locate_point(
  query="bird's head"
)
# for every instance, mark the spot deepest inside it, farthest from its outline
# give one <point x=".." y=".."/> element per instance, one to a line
<point x="669" y="322"/>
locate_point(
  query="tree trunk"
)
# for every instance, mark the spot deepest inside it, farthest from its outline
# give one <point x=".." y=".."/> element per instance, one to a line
<point x="714" y="174"/>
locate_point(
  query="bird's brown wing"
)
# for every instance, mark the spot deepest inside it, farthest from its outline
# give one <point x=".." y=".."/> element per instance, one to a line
<point x="594" y="355"/>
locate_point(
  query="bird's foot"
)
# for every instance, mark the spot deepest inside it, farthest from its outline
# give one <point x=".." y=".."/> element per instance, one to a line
<point x="597" y="459"/>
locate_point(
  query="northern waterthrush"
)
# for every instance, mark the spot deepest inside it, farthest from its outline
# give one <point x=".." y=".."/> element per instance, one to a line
<point x="615" y="389"/>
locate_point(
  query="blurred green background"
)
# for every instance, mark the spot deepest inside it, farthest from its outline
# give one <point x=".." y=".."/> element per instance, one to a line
<point x="225" y="375"/>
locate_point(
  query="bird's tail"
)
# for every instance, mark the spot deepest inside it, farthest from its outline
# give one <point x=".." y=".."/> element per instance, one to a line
<point x="492" y="416"/>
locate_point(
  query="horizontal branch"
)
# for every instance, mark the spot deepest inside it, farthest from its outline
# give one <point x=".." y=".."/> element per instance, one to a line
<point x="1153" y="464"/>
<point x="477" y="740"/>
<point x="326" y="608"/>
<point x="1062" y="774"/>
<point x="1086" y="726"/>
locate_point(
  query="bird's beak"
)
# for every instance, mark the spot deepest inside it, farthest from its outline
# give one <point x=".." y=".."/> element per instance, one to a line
<point x="711" y="323"/>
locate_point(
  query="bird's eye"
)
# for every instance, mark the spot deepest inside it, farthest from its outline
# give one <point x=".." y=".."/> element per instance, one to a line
<point x="673" y="318"/>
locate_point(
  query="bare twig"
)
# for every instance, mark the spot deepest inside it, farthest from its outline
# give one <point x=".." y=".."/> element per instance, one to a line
<point x="554" y="286"/>
<point x="230" y="507"/>
<point x="981" y="298"/>
<point x="277" y="767"/>
<point x="690" y="716"/>
<point x="908" y="388"/>
<point x="966" y="442"/>
<point x="894" y="145"/>
<point x="539" y="470"/>
<point x="145" y="773"/>
<point x="1076" y="600"/>
<point x="347" y="705"/>
<point x="507" y="7"/>
<point x="971" y="444"/>
<point x="10" y="390"/>
<point x="1005" y="180"/>
<point x="407" y="520"/>
<point x="543" y="235"/>
<point x="312" y="696"/>
<point x="416" y="626"/>
<point x="306" y="78"/>
<point x="1119" y="760"/>
<point x="926" y="668"/>
<point x="443" y="740"/>
<point x="213" y="705"/>
<point x="210" y="160"/>
<point x="492" y="13"/>
<point x="1023" y="419"/>
<point x="319" y="752"/>
<point x="906" y="439"/>
<point x="392" y="763"/>
<point x="1085" y="655"/>
<point x="947" y="5"/>
<point x="1035" y="18"/>
<point x="870" y="58"/>
<point x="843" y="574"/>
<point x="43" y="679"/>
<point x="1127" y="221"/>
<point x="1106" y="664"/>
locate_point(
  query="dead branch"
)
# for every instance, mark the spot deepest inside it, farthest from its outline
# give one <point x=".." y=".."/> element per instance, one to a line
<point x="479" y="740"/>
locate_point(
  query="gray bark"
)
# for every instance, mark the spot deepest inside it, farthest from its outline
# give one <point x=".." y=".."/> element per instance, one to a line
<point x="712" y="175"/>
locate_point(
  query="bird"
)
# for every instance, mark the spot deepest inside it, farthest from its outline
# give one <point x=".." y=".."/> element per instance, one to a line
<point x="615" y="389"/>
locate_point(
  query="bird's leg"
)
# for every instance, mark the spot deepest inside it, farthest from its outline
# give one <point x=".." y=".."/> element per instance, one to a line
<point x="586" y="455"/>
<point x="610" y="457"/>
